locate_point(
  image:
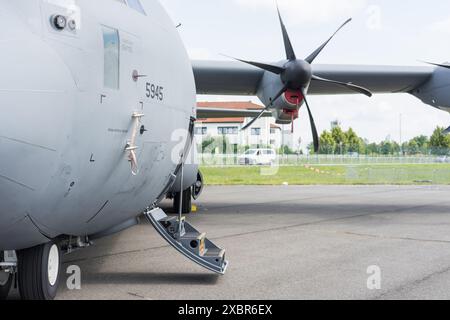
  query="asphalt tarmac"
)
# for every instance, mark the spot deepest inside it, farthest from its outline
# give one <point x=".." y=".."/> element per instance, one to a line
<point x="287" y="242"/>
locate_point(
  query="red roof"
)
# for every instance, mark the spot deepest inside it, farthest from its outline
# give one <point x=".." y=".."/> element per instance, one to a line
<point x="246" y="105"/>
<point x="222" y="120"/>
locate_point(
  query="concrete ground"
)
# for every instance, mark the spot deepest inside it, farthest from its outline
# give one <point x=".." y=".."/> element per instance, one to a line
<point x="287" y="243"/>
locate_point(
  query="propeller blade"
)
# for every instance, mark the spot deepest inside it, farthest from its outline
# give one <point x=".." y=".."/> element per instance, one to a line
<point x="314" y="55"/>
<point x="275" y="98"/>
<point x="264" y="66"/>
<point x="447" y="66"/>
<point x="350" y="86"/>
<point x="278" y="95"/>
<point x="248" y="125"/>
<point x="290" y="53"/>
<point x="313" y="124"/>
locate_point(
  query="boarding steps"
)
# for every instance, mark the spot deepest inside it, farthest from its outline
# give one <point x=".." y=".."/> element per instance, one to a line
<point x="180" y="234"/>
<point x="188" y="241"/>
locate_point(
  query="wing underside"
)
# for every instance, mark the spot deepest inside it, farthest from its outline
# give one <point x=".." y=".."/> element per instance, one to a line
<point x="218" y="113"/>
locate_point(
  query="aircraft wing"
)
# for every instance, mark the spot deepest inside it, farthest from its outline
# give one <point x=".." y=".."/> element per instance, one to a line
<point x="236" y="78"/>
<point x="217" y="113"/>
<point x="226" y="78"/>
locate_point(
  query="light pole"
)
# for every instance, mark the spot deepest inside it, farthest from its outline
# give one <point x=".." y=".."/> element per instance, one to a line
<point x="401" y="137"/>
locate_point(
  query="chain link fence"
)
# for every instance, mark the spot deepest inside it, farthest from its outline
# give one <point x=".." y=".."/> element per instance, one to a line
<point x="224" y="160"/>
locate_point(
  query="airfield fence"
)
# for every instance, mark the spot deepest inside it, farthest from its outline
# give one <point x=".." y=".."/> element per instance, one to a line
<point x="225" y="160"/>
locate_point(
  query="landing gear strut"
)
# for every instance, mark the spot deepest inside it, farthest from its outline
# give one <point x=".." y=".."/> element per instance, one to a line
<point x="39" y="271"/>
<point x="186" y="203"/>
<point x="6" y="280"/>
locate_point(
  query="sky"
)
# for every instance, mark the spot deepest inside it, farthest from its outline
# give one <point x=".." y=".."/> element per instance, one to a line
<point x="382" y="33"/>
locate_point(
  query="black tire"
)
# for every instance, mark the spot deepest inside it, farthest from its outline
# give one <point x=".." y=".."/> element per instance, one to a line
<point x="187" y="201"/>
<point x="5" y="286"/>
<point x="33" y="272"/>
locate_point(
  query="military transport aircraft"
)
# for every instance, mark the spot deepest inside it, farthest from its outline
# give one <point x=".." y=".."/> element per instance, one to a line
<point x="98" y="104"/>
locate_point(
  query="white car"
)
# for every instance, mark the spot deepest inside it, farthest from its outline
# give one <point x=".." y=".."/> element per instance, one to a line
<point x="258" y="157"/>
<point x="443" y="159"/>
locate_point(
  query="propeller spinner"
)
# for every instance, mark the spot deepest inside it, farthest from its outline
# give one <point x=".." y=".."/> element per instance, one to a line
<point x="297" y="74"/>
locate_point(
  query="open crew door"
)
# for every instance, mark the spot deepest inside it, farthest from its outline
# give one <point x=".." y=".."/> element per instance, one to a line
<point x="188" y="241"/>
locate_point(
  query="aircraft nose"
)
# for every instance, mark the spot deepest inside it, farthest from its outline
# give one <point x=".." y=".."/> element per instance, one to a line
<point x="36" y="101"/>
<point x="26" y="59"/>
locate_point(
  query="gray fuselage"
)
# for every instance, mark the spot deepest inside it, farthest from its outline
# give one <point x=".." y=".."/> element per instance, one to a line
<point x="63" y="133"/>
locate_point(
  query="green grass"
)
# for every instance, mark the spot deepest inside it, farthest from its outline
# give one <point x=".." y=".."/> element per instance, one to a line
<point x="398" y="174"/>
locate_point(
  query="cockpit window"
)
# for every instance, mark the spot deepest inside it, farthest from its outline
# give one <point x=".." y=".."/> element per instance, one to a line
<point x="111" y="57"/>
<point x="136" y="5"/>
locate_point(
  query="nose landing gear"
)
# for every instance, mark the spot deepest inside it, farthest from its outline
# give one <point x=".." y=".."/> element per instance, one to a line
<point x="6" y="279"/>
<point x="39" y="271"/>
<point x="185" y="199"/>
<point x="8" y="264"/>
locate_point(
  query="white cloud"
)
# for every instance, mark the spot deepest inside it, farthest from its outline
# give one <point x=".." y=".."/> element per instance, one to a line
<point x="212" y="27"/>
<point x="307" y="11"/>
<point x="441" y="26"/>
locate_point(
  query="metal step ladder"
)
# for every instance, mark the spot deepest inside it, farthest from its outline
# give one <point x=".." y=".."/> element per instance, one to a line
<point x="183" y="236"/>
<point x="188" y="241"/>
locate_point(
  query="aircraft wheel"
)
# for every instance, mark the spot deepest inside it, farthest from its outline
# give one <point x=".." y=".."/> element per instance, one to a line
<point x="6" y="279"/>
<point x="187" y="201"/>
<point x="39" y="272"/>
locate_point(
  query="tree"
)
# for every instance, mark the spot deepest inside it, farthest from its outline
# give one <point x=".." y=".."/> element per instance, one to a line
<point x="372" y="148"/>
<point x="422" y="141"/>
<point x="353" y="142"/>
<point x="385" y="148"/>
<point x="418" y="145"/>
<point x="339" y="140"/>
<point x="219" y="145"/>
<point x="327" y="144"/>
<point x="439" y="142"/>
<point x="310" y="148"/>
<point x="395" y="147"/>
<point x="205" y="144"/>
<point x="413" y="147"/>
<point x="389" y="148"/>
<point x="405" y="148"/>
<point x="286" y="150"/>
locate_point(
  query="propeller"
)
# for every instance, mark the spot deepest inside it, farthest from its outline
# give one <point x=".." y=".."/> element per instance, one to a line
<point x="315" y="134"/>
<point x="297" y="74"/>
<point x="279" y="94"/>
<point x="314" y="55"/>
<point x="348" y="85"/>
<point x="447" y="66"/>
<point x="264" y="66"/>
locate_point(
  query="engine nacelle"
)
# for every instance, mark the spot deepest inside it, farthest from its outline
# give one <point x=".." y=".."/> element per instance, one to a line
<point x="285" y="109"/>
<point x="436" y="91"/>
<point x="190" y="178"/>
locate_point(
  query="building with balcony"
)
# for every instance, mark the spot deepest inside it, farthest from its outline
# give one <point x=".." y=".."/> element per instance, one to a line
<point x="262" y="133"/>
